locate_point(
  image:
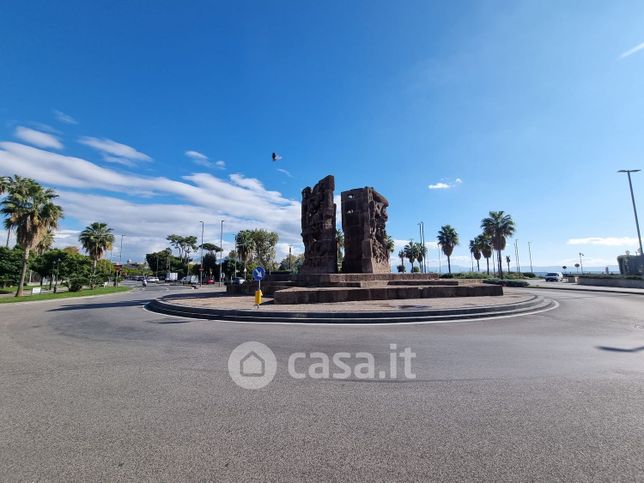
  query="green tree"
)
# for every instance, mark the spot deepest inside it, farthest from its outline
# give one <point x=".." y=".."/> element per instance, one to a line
<point x="45" y="243"/>
<point x="498" y="226"/>
<point x="184" y="245"/>
<point x="32" y="212"/>
<point x="475" y="250"/>
<point x="421" y="253"/>
<point x="485" y="246"/>
<point x="264" y="242"/>
<point x="411" y="253"/>
<point x="46" y="263"/>
<point x="402" y="256"/>
<point x="244" y="246"/>
<point x="288" y="263"/>
<point x="96" y="239"/>
<point x="448" y="239"/>
<point x="10" y="263"/>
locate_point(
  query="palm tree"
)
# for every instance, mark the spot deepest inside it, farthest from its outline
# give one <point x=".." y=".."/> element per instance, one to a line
<point x="32" y="212"/>
<point x="411" y="253"/>
<point x="402" y="255"/>
<point x="485" y="246"/>
<point x="96" y="239"/>
<point x="45" y="243"/>
<point x="507" y="259"/>
<point x="498" y="226"/>
<point x="421" y="252"/>
<point x="448" y="239"/>
<point x="245" y="246"/>
<point x="391" y="245"/>
<point x="18" y="187"/>
<point x="475" y="250"/>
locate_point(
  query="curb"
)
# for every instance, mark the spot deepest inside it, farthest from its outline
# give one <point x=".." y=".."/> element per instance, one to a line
<point x="626" y="292"/>
<point x="162" y="305"/>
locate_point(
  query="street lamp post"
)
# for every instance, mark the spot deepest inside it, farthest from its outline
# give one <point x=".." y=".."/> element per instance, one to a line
<point x="221" y="259"/>
<point x="530" y="254"/>
<point x="637" y="223"/>
<point x="117" y="274"/>
<point x="516" y="256"/>
<point x="201" y="263"/>
<point x="581" y="263"/>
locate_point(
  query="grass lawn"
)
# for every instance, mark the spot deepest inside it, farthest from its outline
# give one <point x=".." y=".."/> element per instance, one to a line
<point x="63" y="295"/>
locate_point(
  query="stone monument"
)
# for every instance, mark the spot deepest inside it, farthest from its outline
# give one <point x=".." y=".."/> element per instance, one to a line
<point x="318" y="228"/>
<point x="364" y="216"/>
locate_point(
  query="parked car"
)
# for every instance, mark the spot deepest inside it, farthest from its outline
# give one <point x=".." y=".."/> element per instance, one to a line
<point x="190" y="279"/>
<point x="238" y="281"/>
<point x="153" y="279"/>
<point x="554" y="277"/>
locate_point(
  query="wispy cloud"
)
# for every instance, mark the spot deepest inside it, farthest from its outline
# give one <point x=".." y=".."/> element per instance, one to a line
<point x="445" y="184"/>
<point x="64" y="118"/>
<point x="632" y="51"/>
<point x="114" y="152"/>
<point x="610" y="241"/>
<point x="284" y="171"/>
<point x="38" y="138"/>
<point x="202" y="160"/>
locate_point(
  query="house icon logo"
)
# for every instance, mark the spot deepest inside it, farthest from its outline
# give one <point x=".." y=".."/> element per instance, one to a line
<point x="252" y="365"/>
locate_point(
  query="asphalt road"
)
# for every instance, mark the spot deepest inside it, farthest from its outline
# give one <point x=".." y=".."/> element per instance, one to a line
<point x="100" y="389"/>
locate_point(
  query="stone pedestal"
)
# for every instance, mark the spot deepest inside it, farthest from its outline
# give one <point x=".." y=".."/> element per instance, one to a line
<point x="364" y="216"/>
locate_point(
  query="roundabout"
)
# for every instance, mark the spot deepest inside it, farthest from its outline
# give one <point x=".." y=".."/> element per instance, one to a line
<point x="219" y="306"/>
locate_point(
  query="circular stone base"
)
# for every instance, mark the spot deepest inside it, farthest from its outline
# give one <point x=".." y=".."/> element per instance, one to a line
<point x="241" y="308"/>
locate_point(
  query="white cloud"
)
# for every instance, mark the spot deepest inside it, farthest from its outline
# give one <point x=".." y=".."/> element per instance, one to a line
<point x="37" y="138"/>
<point x="284" y="171"/>
<point x="632" y="51"/>
<point x="202" y="160"/>
<point x="64" y="118"/>
<point x="242" y="202"/>
<point x="445" y="184"/>
<point x="610" y="241"/>
<point x="114" y="152"/>
<point x="439" y="186"/>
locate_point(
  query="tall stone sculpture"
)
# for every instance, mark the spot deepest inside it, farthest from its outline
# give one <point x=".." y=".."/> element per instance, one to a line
<point x="318" y="228"/>
<point x="364" y="216"/>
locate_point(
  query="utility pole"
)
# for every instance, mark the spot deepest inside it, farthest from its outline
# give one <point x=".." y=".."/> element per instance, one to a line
<point x="121" y="251"/>
<point x="581" y="263"/>
<point x="203" y="225"/>
<point x="637" y="223"/>
<point x="530" y="255"/>
<point x="422" y="243"/>
<point x="289" y="258"/>
<point x="221" y="259"/>
<point x="516" y="256"/>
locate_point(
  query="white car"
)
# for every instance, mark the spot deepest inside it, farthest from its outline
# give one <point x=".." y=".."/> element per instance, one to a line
<point x="554" y="277"/>
<point x="153" y="279"/>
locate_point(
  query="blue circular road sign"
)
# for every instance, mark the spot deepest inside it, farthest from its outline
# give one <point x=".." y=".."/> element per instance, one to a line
<point x="259" y="273"/>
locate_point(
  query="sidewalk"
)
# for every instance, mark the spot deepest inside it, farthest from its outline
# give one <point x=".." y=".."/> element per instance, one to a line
<point x="583" y="288"/>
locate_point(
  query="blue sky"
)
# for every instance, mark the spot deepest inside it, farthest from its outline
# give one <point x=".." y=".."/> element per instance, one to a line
<point x="528" y="107"/>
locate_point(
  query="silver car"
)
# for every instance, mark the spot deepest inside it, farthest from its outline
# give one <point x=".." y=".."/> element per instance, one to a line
<point x="554" y="277"/>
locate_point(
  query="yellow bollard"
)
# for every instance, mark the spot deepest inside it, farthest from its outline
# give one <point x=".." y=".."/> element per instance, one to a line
<point x="258" y="297"/>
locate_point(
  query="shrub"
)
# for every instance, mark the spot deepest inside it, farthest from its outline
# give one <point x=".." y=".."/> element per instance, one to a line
<point x="75" y="284"/>
<point x="415" y="270"/>
<point x="401" y="268"/>
<point x="506" y="283"/>
<point x="447" y="275"/>
<point x="529" y="275"/>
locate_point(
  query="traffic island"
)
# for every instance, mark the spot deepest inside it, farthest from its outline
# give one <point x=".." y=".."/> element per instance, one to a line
<point x="242" y="309"/>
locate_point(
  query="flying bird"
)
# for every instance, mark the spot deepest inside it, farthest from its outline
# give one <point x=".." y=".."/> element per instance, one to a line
<point x="276" y="157"/>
